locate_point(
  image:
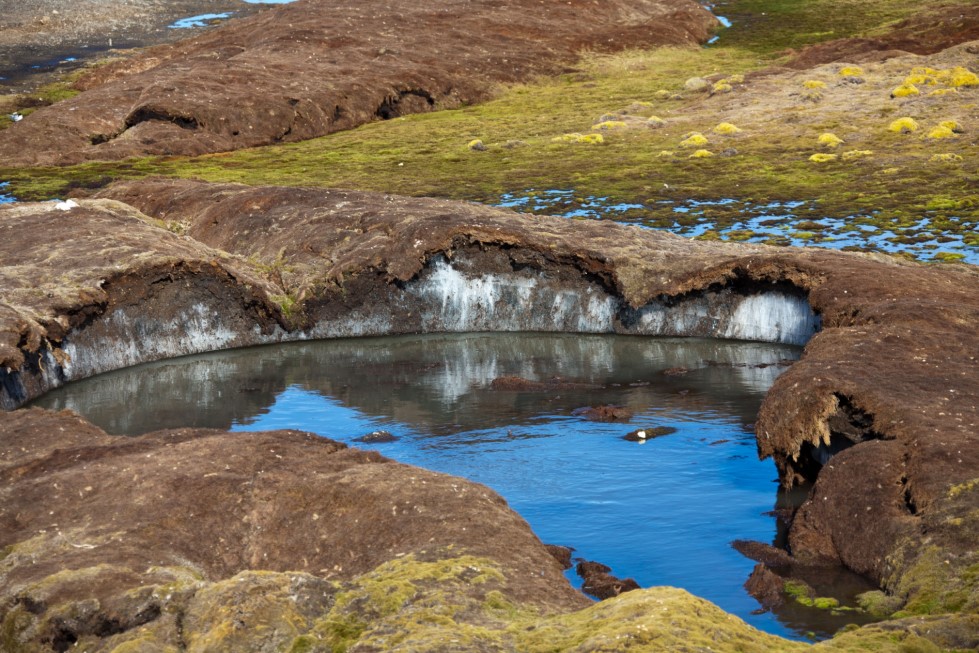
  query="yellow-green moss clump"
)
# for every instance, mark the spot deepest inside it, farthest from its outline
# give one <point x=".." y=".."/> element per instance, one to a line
<point x="947" y="157"/>
<point x="856" y="154"/>
<point x="476" y="145"/>
<point x="953" y="125"/>
<point x="905" y="90"/>
<point x="609" y="124"/>
<point x="962" y="488"/>
<point x="655" y="122"/>
<point x="726" y="128"/>
<point x="962" y="77"/>
<point x="920" y="79"/>
<point x="851" y="71"/>
<point x="941" y="131"/>
<point x="904" y="125"/>
<point x="702" y="154"/>
<point x="813" y="84"/>
<point x="694" y="139"/>
<point x="829" y="140"/>
<point x="593" y="139"/>
<point x="822" y="157"/>
<point x="722" y="87"/>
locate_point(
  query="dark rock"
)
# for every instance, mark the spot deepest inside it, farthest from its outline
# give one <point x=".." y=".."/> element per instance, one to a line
<point x="768" y="555"/>
<point x="766" y="586"/>
<point x="562" y="554"/>
<point x="641" y="435"/>
<point x="375" y="437"/>
<point x="604" y="413"/>
<point x="600" y="583"/>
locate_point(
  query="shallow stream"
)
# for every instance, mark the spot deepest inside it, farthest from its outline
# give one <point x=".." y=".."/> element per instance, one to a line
<point x="663" y="512"/>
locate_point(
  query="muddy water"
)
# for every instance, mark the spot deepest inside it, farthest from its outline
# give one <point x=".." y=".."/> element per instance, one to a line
<point x="663" y="512"/>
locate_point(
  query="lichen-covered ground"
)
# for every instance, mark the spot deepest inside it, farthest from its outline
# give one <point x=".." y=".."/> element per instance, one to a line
<point x="854" y="143"/>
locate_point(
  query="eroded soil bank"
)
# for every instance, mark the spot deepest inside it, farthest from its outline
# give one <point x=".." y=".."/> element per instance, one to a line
<point x="881" y="411"/>
<point x="312" y="67"/>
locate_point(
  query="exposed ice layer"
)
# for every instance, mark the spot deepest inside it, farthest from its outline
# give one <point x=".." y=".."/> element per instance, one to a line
<point x="450" y="300"/>
<point x="773" y="317"/>
<point x="136" y="340"/>
<point x="446" y="297"/>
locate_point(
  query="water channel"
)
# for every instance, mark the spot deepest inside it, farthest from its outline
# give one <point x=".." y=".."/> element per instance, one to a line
<point x="663" y="512"/>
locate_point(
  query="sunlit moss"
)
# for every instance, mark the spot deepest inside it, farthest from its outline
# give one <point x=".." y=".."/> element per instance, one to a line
<point x="947" y="157"/>
<point x="941" y="131"/>
<point x="953" y="125"/>
<point x="822" y="157"/>
<point x="609" y="125"/>
<point x="851" y="71"/>
<point x="905" y="90"/>
<point x="813" y="84"/>
<point x="963" y="77"/>
<point x="702" y="154"/>
<point x="920" y="79"/>
<point x="655" y="122"/>
<point x="695" y="139"/>
<point x="476" y="145"/>
<point x="856" y="154"/>
<point x="829" y="140"/>
<point x="903" y="125"/>
<point x="726" y="128"/>
<point x="722" y="87"/>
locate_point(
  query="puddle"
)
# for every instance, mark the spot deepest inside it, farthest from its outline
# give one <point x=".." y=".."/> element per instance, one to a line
<point x="724" y="21"/>
<point x="201" y="20"/>
<point x="797" y="223"/>
<point x="4" y="197"/>
<point x="663" y="512"/>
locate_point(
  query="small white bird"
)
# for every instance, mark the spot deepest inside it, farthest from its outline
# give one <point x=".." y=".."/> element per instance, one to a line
<point x="16" y="117"/>
<point x="66" y="205"/>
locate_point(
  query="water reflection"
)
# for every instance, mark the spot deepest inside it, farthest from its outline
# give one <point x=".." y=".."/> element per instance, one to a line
<point x="433" y="383"/>
<point x="663" y="512"/>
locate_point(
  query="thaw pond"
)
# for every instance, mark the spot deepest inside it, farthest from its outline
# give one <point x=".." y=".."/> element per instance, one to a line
<point x="940" y="233"/>
<point x="663" y="511"/>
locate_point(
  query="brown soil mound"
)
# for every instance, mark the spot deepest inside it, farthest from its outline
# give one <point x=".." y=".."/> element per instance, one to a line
<point x="109" y="523"/>
<point x="314" y="67"/>
<point x="880" y="412"/>
<point x="932" y="30"/>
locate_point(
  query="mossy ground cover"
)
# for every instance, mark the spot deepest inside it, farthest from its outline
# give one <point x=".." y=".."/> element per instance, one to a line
<point x="613" y="129"/>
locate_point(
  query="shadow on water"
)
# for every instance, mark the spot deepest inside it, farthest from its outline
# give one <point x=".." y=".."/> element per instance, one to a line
<point x="663" y="512"/>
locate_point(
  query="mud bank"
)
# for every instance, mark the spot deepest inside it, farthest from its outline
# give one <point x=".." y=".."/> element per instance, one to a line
<point x="880" y="412"/>
<point x="310" y="68"/>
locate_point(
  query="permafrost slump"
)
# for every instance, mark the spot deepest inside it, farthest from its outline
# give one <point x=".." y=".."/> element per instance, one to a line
<point x="446" y="297"/>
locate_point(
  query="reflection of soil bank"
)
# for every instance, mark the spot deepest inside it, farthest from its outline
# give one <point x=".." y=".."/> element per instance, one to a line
<point x="892" y="371"/>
